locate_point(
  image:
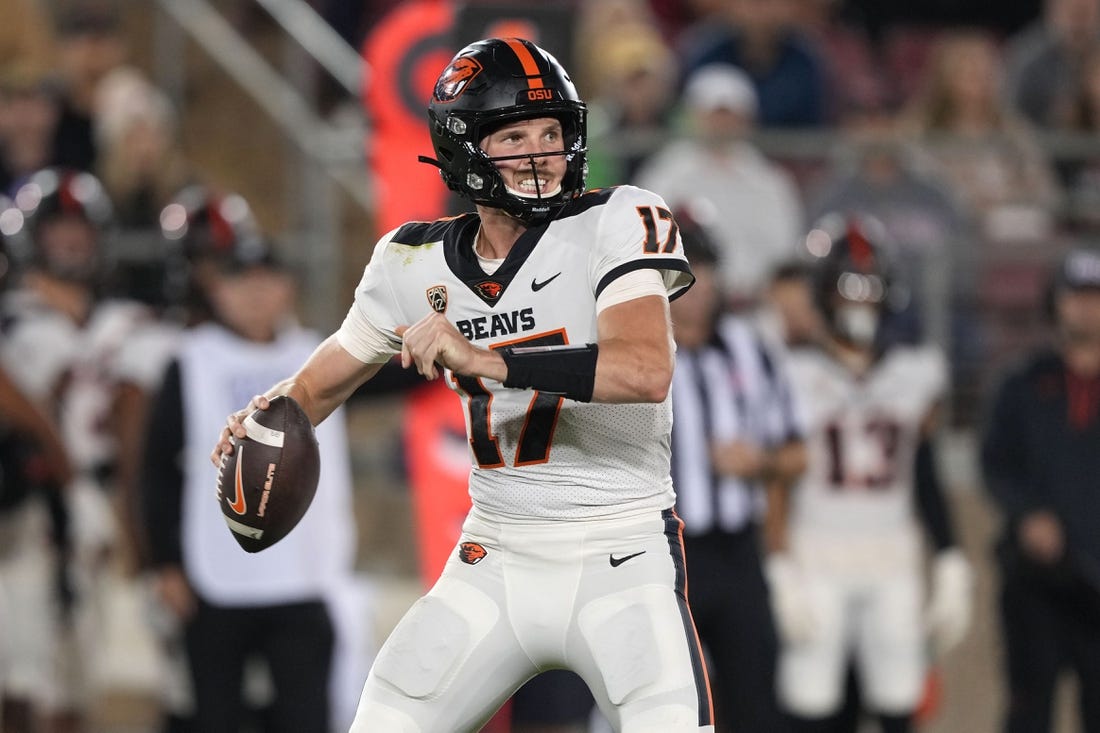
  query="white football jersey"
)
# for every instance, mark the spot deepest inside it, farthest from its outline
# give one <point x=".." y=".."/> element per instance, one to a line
<point x="53" y="358"/>
<point x="862" y="436"/>
<point x="535" y="454"/>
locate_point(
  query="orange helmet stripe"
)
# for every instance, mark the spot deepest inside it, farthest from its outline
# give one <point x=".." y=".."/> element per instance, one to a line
<point x="530" y="66"/>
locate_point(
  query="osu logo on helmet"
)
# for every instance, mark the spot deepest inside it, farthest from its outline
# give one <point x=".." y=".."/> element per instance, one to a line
<point x="471" y="553"/>
<point x="454" y="79"/>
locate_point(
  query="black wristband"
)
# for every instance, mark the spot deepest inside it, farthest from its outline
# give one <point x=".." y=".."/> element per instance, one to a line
<point x="931" y="502"/>
<point x="569" y="371"/>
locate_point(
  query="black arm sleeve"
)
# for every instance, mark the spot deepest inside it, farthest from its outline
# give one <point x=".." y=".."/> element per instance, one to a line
<point x="161" y="488"/>
<point x="931" y="502"/>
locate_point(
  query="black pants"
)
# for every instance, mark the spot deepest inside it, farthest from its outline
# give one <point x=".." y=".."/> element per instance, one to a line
<point x="1047" y="630"/>
<point x="295" y="640"/>
<point x="729" y="602"/>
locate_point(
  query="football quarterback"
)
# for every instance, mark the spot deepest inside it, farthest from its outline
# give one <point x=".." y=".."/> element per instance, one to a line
<point x="546" y="310"/>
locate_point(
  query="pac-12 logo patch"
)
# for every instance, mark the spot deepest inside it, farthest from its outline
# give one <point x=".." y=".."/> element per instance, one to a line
<point x="455" y="78"/>
<point x="437" y="298"/>
<point x="471" y="553"/>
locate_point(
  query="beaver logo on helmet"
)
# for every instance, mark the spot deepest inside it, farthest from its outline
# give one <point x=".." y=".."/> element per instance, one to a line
<point x="455" y="78"/>
<point x="471" y="553"/>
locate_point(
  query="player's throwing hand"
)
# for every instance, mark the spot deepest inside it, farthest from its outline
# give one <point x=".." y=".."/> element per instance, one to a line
<point x="433" y="340"/>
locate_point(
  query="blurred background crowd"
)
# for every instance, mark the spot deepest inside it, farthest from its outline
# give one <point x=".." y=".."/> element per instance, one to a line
<point x="220" y="154"/>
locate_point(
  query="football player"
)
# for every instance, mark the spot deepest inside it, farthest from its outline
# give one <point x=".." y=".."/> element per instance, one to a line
<point x="546" y="310"/>
<point x="280" y="607"/>
<point x="32" y="459"/>
<point x="67" y="347"/>
<point x="848" y="586"/>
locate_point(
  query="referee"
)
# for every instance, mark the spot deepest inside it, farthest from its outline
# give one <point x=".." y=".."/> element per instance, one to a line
<point x="734" y="438"/>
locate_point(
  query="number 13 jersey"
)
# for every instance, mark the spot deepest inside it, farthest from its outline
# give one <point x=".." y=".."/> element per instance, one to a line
<point x="535" y="454"/>
<point x="862" y="436"/>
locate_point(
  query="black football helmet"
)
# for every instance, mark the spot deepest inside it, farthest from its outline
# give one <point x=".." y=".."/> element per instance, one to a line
<point x="203" y="228"/>
<point x="852" y="267"/>
<point x="491" y="83"/>
<point x="52" y="194"/>
<point x="201" y="223"/>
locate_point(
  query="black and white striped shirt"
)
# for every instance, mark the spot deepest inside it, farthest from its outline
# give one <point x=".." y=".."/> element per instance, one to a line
<point x="732" y="388"/>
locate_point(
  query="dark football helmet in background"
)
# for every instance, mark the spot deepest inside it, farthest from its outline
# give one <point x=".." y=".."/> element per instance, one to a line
<point x="35" y="232"/>
<point x="202" y="222"/>
<point x="489" y="84"/>
<point x="203" y="228"/>
<point x="854" y="286"/>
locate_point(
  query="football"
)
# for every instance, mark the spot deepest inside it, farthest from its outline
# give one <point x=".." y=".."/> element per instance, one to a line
<point x="266" y="484"/>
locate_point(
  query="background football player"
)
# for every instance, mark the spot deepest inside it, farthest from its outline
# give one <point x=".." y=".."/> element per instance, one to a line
<point x="64" y="346"/>
<point x="849" y="585"/>
<point x="278" y="610"/>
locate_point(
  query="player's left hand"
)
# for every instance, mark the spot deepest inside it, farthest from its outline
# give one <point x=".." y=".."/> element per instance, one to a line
<point x="948" y="614"/>
<point x="434" y="341"/>
<point x="234" y="428"/>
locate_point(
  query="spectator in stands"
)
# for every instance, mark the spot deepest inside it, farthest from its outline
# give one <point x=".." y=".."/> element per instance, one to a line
<point x="983" y="147"/>
<point x="629" y="115"/>
<point x="28" y="117"/>
<point x="90" y="44"/>
<point x="1081" y="174"/>
<point x="875" y="171"/>
<point x="853" y="63"/>
<point x="26" y="35"/>
<point x="141" y="161"/>
<point x="786" y="68"/>
<point x="1040" y="463"/>
<point x="353" y="18"/>
<point x="754" y="207"/>
<point x="1043" y="62"/>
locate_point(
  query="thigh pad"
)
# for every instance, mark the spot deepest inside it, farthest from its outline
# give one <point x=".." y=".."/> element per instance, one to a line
<point x="431" y="642"/>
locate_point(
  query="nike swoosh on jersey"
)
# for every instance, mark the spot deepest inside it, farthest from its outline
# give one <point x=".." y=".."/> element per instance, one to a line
<point x="238" y="504"/>
<point x="617" y="561"/>
<point x="537" y="286"/>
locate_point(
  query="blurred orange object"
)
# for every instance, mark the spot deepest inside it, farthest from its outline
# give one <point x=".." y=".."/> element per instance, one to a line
<point x="931" y="701"/>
